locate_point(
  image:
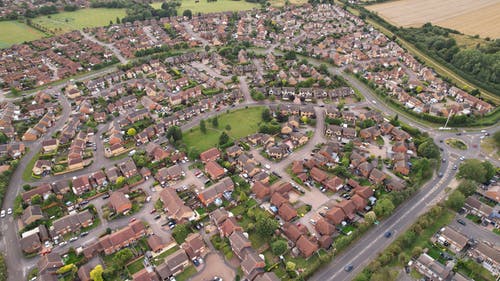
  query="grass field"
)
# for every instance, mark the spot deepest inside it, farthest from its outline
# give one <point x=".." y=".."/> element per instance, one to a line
<point x="14" y="32"/>
<point x="243" y="122"/>
<point x="457" y="144"/>
<point x="211" y="7"/>
<point x="68" y="21"/>
<point x="439" y="68"/>
<point x="468" y="16"/>
<point x="281" y="3"/>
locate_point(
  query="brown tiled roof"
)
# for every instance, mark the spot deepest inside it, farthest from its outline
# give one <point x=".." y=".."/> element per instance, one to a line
<point x="335" y="215"/>
<point x="287" y="212"/>
<point x="324" y="227"/>
<point x="306" y="246"/>
<point x="260" y="189"/>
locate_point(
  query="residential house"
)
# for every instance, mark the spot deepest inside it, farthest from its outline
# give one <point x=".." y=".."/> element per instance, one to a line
<point x="287" y="212"/>
<point x="211" y="154"/>
<point x="194" y="246"/>
<point x="454" y="240"/>
<point x="216" y="191"/>
<point x="49" y="263"/>
<point x="214" y="170"/>
<point x="173" y="265"/>
<point x="489" y="257"/>
<point x="431" y="268"/>
<point x="306" y="246"/>
<point x="81" y="185"/>
<point x="31" y="214"/>
<point x="174" y="206"/>
<point x="477" y="207"/>
<point x="239" y="244"/>
<point x="72" y="223"/>
<point x="119" y="202"/>
<point x="252" y="265"/>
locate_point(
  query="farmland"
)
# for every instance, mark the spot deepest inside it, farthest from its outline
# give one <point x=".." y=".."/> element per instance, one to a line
<point x="211" y="7"/>
<point x="68" y="21"/>
<point x="467" y="16"/>
<point x="13" y="32"/>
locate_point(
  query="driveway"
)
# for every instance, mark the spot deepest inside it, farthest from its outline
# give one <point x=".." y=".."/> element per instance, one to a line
<point x="214" y="266"/>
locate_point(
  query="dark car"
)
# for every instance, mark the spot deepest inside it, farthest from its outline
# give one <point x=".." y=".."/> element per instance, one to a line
<point x="461" y="221"/>
<point x="349" y="268"/>
<point x="196" y="262"/>
<point x="105" y="196"/>
<point x="388" y="234"/>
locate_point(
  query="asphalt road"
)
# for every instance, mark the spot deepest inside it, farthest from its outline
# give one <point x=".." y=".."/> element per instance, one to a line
<point x="359" y="254"/>
<point x="372" y="243"/>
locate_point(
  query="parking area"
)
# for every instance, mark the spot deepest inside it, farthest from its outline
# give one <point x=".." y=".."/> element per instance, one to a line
<point x="214" y="266"/>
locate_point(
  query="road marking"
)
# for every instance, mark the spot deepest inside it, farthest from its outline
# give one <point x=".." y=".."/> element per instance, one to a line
<point x="391" y="226"/>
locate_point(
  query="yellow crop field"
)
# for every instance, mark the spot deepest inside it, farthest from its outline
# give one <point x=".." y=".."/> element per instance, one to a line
<point x="467" y="16"/>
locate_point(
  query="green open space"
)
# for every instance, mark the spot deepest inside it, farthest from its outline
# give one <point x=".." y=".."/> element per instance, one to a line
<point x="203" y="6"/>
<point x="243" y="122"/>
<point x="14" y="32"/>
<point x="136" y="266"/>
<point x="457" y="144"/>
<point x="68" y="21"/>
<point x="186" y="273"/>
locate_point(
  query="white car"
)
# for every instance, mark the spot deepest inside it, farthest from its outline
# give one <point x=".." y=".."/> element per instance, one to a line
<point x="9" y="211"/>
<point x="2" y="215"/>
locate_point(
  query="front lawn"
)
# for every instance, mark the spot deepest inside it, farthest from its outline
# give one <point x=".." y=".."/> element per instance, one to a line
<point x="186" y="274"/>
<point x="161" y="257"/>
<point x="242" y="122"/>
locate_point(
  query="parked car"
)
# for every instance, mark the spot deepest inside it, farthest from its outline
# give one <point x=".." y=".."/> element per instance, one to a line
<point x="83" y="234"/>
<point x="388" y="234"/>
<point x="133" y="219"/>
<point x="2" y="214"/>
<point x="9" y="211"/>
<point x="461" y="221"/>
<point x="72" y="239"/>
<point x="157" y="217"/>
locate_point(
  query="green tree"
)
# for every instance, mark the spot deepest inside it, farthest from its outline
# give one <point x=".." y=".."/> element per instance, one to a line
<point x="384" y="207"/>
<point x="193" y="153"/>
<point x="174" y="133"/>
<point x="180" y="233"/>
<point x="428" y="149"/>
<point x="121" y="257"/>
<point x="66" y="268"/>
<point x="266" y="115"/>
<point x="223" y="139"/>
<point x="187" y="13"/>
<point x="266" y="226"/>
<point x="96" y="273"/>
<point x="131" y="132"/>
<point x="290" y="266"/>
<point x="215" y="122"/>
<point x="279" y="247"/>
<point x="473" y="169"/>
<point x="490" y="170"/>
<point x="228" y="127"/>
<point x="467" y="187"/>
<point x="456" y="200"/>
<point x="203" y="126"/>
<point x="370" y="217"/>
<point x="496" y="138"/>
<point x="3" y="138"/>
<point x="36" y="199"/>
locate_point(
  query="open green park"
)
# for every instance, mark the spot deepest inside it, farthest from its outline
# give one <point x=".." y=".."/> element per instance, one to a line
<point x="14" y="32"/>
<point x="203" y="6"/>
<point x="67" y="21"/>
<point x="241" y="122"/>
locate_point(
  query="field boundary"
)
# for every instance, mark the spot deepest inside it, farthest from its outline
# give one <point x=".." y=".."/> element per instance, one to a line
<point x="440" y="68"/>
